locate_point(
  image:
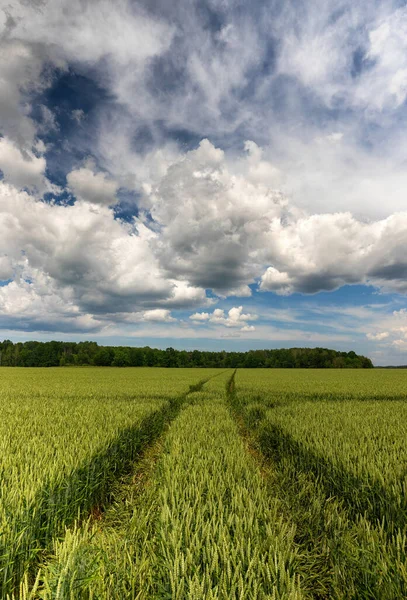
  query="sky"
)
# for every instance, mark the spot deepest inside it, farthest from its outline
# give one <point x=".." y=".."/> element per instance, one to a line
<point x="212" y="174"/>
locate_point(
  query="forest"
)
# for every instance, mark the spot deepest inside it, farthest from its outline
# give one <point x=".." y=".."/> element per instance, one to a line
<point x="60" y="354"/>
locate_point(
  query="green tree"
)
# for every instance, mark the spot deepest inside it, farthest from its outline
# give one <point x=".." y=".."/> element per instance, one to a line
<point x="121" y="357"/>
<point x="103" y="357"/>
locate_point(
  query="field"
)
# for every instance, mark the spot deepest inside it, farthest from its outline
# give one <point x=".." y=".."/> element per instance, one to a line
<point x="209" y="484"/>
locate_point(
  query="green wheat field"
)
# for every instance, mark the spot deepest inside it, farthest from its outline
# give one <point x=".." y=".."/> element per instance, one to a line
<point x="154" y="483"/>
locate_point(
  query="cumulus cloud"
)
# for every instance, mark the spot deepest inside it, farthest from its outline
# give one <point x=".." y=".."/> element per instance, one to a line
<point x="174" y="69"/>
<point x="92" y="187"/>
<point x="324" y="252"/>
<point x="234" y="318"/>
<point x="155" y="315"/>
<point x="135" y="50"/>
<point x="220" y="230"/>
<point x="42" y="306"/>
<point x="201" y="226"/>
<point x="203" y="316"/>
<point x="22" y="168"/>
<point x="302" y="200"/>
<point x="214" y="220"/>
<point x="400" y="345"/>
<point x="81" y="254"/>
<point x="276" y="281"/>
<point x="158" y="315"/>
<point x="21" y="66"/>
<point x="377" y="337"/>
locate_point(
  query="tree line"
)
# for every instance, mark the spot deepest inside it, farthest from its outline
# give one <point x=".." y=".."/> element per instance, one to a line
<point x="60" y="354"/>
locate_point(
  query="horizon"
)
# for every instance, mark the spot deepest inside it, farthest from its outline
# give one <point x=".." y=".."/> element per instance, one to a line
<point x="208" y="174"/>
<point x="187" y="347"/>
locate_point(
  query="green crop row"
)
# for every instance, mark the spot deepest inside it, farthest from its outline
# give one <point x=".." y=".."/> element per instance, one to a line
<point x="63" y="441"/>
<point x="218" y="534"/>
<point x="325" y="384"/>
<point x="339" y="466"/>
<point x="95" y="382"/>
<point x="268" y="485"/>
<point x="204" y="526"/>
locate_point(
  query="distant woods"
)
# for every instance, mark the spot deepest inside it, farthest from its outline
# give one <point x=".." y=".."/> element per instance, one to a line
<point x="60" y="354"/>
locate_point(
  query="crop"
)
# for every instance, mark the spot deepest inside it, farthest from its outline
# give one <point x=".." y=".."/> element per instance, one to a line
<point x="189" y="484"/>
<point x="339" y="460"/>
<point x="324" y="384"/>
<point x="205" y="527"/>
<point x="65" y="435"/>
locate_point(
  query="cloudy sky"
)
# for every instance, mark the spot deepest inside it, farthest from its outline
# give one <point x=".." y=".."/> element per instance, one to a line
<point x="205" y="173"/>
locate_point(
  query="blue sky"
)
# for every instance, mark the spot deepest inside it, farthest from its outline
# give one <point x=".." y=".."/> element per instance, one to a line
<point x="214" y="174"/>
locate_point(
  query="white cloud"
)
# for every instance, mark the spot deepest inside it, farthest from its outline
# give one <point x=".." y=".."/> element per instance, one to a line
<point x="400" y="345"/>
<point x="116" y="40"/>
<point x="215" y="221"/>
<point x="193" y="82"/>
<point x="385" y="85"/>
<point x="242" y="291"/>
<point x="134" y="50"/>
<point x="204" y="316"/>
<point x="92" y="187"/>
<point x="212" y="229"/>
<point x="22" y="169"/>
<point x="320" y="206"/>
<point x="82" y="255"/>
<point x="158" y="315"/>
<point x="155" y="315"/>
<point x="184" y="295"/>
<point x="20" y="73"/>
<point x="324" y="252"/>
<point x="42" y="306"/>
<point x="311" y="46"/>
<point x="221" y="231"/>
<point x="234" y="318"/>
<point x="92" y="31"/>
<point x="276" y="281"/>
<point x="319" y="46"/>
<point x="378" y="337"/>
<point x="6" y="270"/>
